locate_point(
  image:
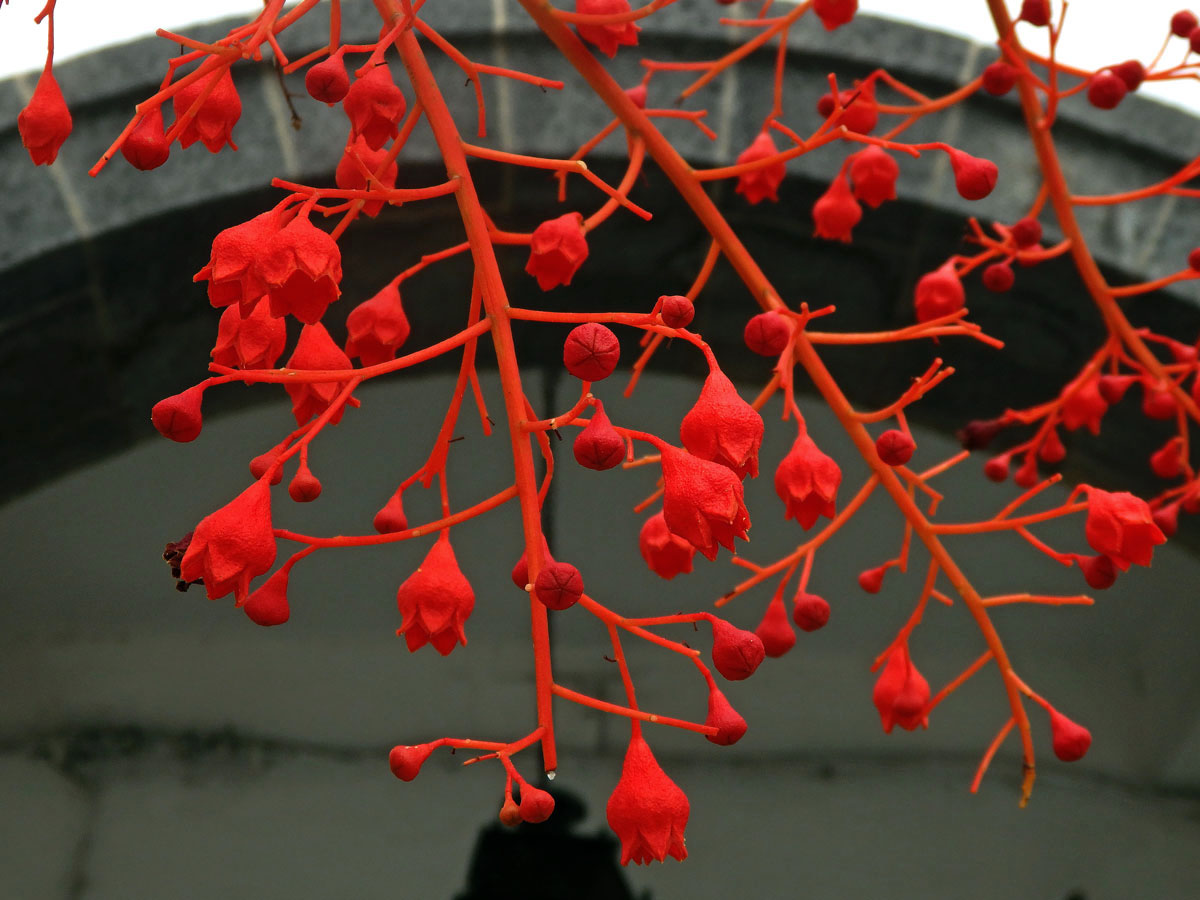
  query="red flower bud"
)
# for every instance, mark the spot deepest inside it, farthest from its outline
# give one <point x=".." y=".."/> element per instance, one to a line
<point x="406" y="761"/>
<point x="1036" y="12"/>
<point x="637" y="94"/>
<point x="996" y="468"/>
<point x="835" y="13"/>
<point x="939" y="293"/>
<point x="1098" y="571"/>
<point x="999" y="78"/>
<point x="304" y="486"/>
<point x="591" y="352"/>
<point x="767" y="333"/>
<point x="435" y="601"/>
<point x="558" y="586"/>
<point x="232" y="545"/>
<point x="702" y="501"/>
<point x="316" y="350"/>
<point x="807" y="481"/>
<point x="1027" y="232"/>
<point x="1052" y="450"/>
<point x="1167" y="461"/>
<point x="895" y="447"/>
<point x="1167" y="519"/>
<point x="871" y="580"/>
<point x="978" y="433"/>
<point x="736" y="653"/>
<point x="557" y="249"/>
<point x="378" y="327"/>
<point x="974" y="177"/>
<point x="607" y="38"/>
<point x="510" y="813"/>
<point x="1026" y="475"/>
<point x="260" y="464"/>
<point x="520" y="572"/>
<point x="1194" y="259"/>
<point x="647" y="810"/>
<point x="349" y="174"/>
<point x="327" y="81"/>
<point x="146" y="147"/>
<point x="1157" y="402"/>
<point x="1085" y="406"/>
<point x="178" y="417"/>
<point x="809" y="612"/>
<point x="860" y="112"/>
<point x="874" y="173"/>
<point x="1121" y="526"/>
<point x="666" y="553"/>
<point x="1132" y="72"/>
<point x="1071" y="740"/>
<point x="1106" y="89"/>
<point x="774" y="630"/>
<point x="722" y="716"/>
<point x="375" y="107"/>
<point x="1194" y="40"/>
<point x="214" y="120"/>
<point x="998" y="277"/>
<point x="599" y="446"/>
<point x="45" y="122"/>
<point x="722" y="427"/>
<point x="536" y="804"/>
<point x="836" y="212"/>
<point x="1183" y="23"/>
<point x="761" y="183"/>
<point x="268" y="604"/>
<point x="676" y="311"/>
<point x="301" y="266"/>
<point x="391" y="517"/>
<point x="253" y="341"/>
<point x="901" y="693"/>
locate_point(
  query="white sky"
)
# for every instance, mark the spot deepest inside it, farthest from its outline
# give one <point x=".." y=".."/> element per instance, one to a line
<point x="1098" y="32"/>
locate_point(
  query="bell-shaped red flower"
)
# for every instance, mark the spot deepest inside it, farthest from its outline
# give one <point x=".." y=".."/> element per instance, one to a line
<point x="214" y="120"/>
<point x="315" y="350"/>
<point x="736" y="653"/>
<point x="767" y="333"/>
<point x="255" y="341"/>
<point x="1121" y="526"/>
<point x="836" y="212"/>
<point x="1070" y="739"/>
<point x="232" y="545"/>
<point x="232" y="271"/>
<point x="775" y="631"/>
<point x="1085" y="406"/>
<point x="835" y="13"/>
<point x="557" y="249"/>
<point x="435" y="601"/>
<point x="349" y="175"/>
<point x="607" y="38"/>
<point x="666" y="553"/>
<point x="722" y="427"/>
<point x="45" y="122"/>
<point x="591" y="352"/>
<point x="647" y="810"/>
<point x="375" y="107"/>
<point x="901" y="693"/>
<point x="179" y="417"/>
<point x="974" y="177"/>
<point x="268" y="604"/>
<point x="301" y="266"/>
<point x="730" y="726"/>
<point x="761" y="183"/>
<point x="939" y="293"/>
<point x="599" y="446"/>
<point x="328" y="81"/>
<point x="378" y="327"/>
<point x="807" y="481"/>
<point x="874" y="173"/>
<point x="702" y="501"/>
<point x="146" y="147"/>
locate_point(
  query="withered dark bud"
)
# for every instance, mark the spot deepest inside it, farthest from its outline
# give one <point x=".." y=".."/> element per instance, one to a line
<point x="173" y="556"/>
<point x="978" y="433"/>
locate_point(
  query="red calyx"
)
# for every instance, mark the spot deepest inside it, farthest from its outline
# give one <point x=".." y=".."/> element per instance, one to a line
<point x="1167" y="519"/>
<point x="807" y="481"/>
<point x="1036" y="12"/>
<point x="895" y="447"/>
<point x="647" y="810"/>
<point x="304" y="486"/>
<point x="939" y="293"/>
<point x="45" y="122"/>
<point x="558" y="586"/>
<point x="1086" y="406"/>
<point x="637" y="94"/>
<point x="999" y="78"/>
<point x="1070" y="739"/>
<point x="998" y="277"/>
<point x="146" y="147"/>
<point x="349" y="173"/>
<point x="721" y="715"/>
<point x="1132" y="72"/>
<point x="232" y="545"/>
<point x="1167" y="461"/>
<point x="557" y="248"/>
<point x="218" y="114"/>
<point x="836" y="212"/>
<point x="675" y="310"/>
<point x="736" y="653"/>
<point x="774" y="630"/>
<point x="268" y="605"/>
<point x="666" y="553"/>
<point x="406" y="761"/>
<point x="591" y="352"/>
<point x="702" y="501"/>
<point x="871" y="580"/>
<point x="767" y="333"/>
<point x="761" y="183"/>
<point x="1157" y="402"/>
<point x="874" y="173"/>
<point x="520" y="572"/>
<point x="996" y="468"/>
<point x="232" y="272"/>
<point x="301" y="267"/>
<point x="1027" y="232"/>
<point x="378" y="327"/>
<point x="978" y="433"/>
<point x="809" y="612"/>
<point x="327" y="81"/>
<point x="179" y="417"/>
<point x="1121" y="526"/>
<point x="722" y="427"/>
<point x="375" y="107"/>
<point x="316" y="350"/>
<point x="255" y="341"/>
<point x="599" y="446"/>
<point x="860" y="112"/>
<point x="974" y="177"/>
<point x="260" y="465"/>
<point x="1106" y="89"/>
<point x="1098" y="571"/>
<point x="391" y="517"/>
<point x="1194" y="40"/>
<point x="835" y="13"/>
<point x="607" y="38"/>
<point x="1052" y="449"/>
<point x="536" y="804"/>
<point x="901" y="693"/>
<point x="435" y="601"/>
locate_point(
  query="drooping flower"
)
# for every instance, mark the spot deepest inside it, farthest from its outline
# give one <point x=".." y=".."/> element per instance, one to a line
<point x="214" y="120"/>
<point x="836" y="212"/>
<point x="939" y="293"/>
<point x="435" y="601"/>
<point x="304" y="487"/>
<point x="316" y="350"/>
<point x="349" y="174"/>
<point x="232" y="545"/>
<point x="901" y="693"/>
<point x="375" y="107"/>
<point x="775" y="631"/>
<point x="607" y="38"/>
<point x="232" y="271"/>
<point x="557" y="249"/>
<point x="520" y="572"/>
<point x="722" y="427"/>
<point x="179" y="417"/>
<point x="702" y="501"/>
<point x="835" y="13"/>
<point x="666" y="553"/>
<point x="378" y="327"/>
<point x="1036" y="12"/>
<point x="874" y="173"/>
<point x="301" y="266"/>
<point x="1027" y="232"/>
<point x="807" y="481"/>
<point x="255" y="341"/>
<point x="328" y="81"/>
<point x="45" y="122"/>
<point x="1121" y="526"/>
<point x="761" y="183"/>
<point x="599" y="446"/>
<point x="647" y="810"/>
<point x="146" y="147"/>
<point x="591" y="352"/>
<point x="1085" y="406"/>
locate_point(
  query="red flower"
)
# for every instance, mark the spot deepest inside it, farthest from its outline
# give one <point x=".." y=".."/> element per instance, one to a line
<point x="974" y="177"/>
<point x="860" y="112"/>
<point x="435" y="601"/>
<point x="836" y="212"/>
<point x="45" y="122"/>
<point x="647" y="810"/>
<point x="939" y="293"/>
<point x="1070" y="739"/>
<point x="405" y="760"/>
<point x="214" y="120"/>
<point x="761" y="183"/>
<point x="736" y="653"/>
<point x="349" y="173"/>
<point x="591" y="352"/>
<point x="301" y="267"/>
<point x="607" y="38"/>
<point x="775" y="631"/>
<point x="178" y="417"/>
<point x="874" y="173"/>
<point x="232" y="272"/>
<point x="834" y="13"/>
<point x="391" y="517"/>
<point x="327" y="81"/>
<point x="999" y="78"/>
<point x="232" y="545"/>
<point x="599" y="446"/>
<point x="901" y="693"/>
<point x="722" y="427"/>
<point x="1036" y="12"/>
<point x="1085" y="406"/>
<point x="315" y="350"/>
<point x="255" y="341"/>
<point x="146" y="147"/>
<point x="536" y="805"/>
<point x="1121" y="526"/>
<point x="377" y="327"/>
<point x="702" y="501"/>
<point x="556" y="251"/>
<point x="375" y="107"/>
<point x="807" y="482"/>
<point x="666" y="553"/>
